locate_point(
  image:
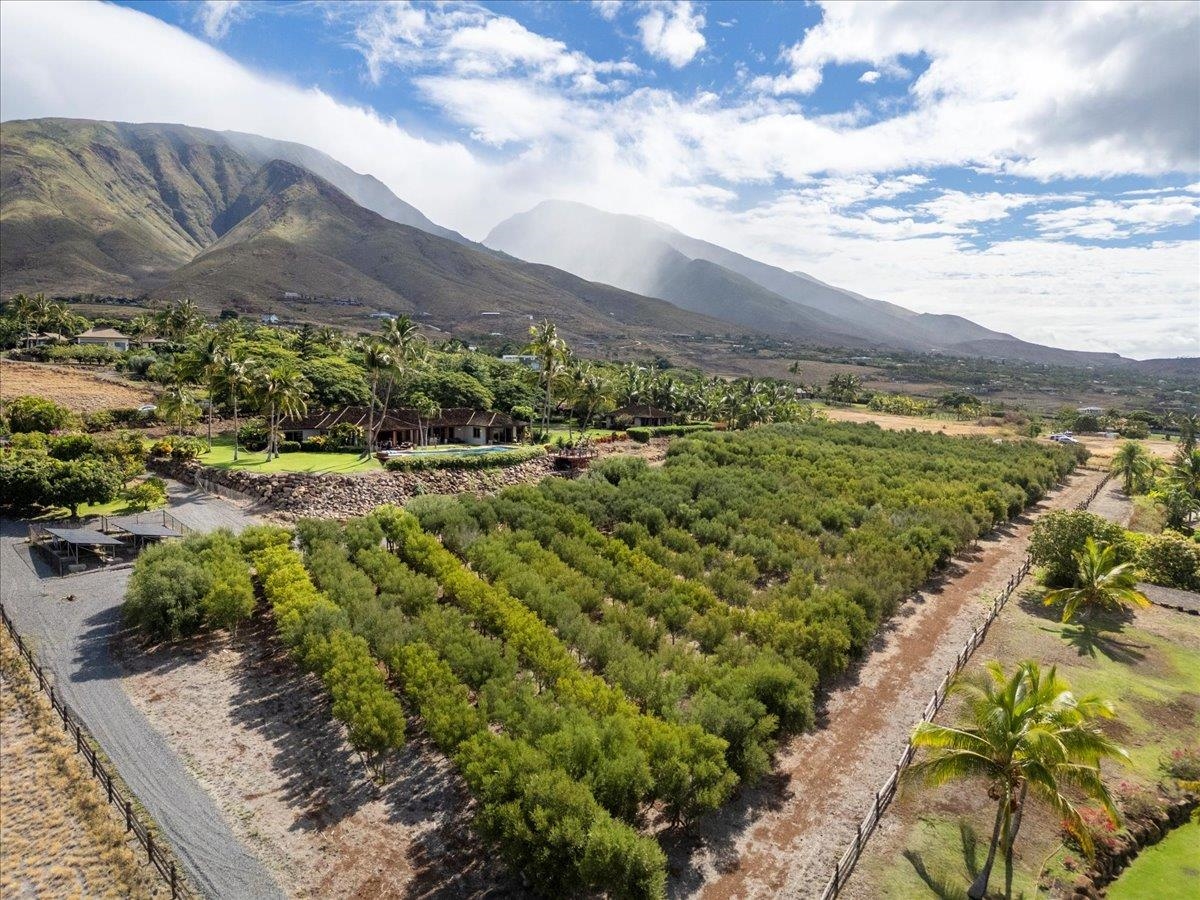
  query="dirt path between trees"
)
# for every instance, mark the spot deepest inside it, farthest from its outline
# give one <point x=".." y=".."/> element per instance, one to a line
<point x="781" y="837"/>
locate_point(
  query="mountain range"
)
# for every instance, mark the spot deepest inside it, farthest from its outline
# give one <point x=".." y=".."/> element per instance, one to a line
<point x="246" y="222"/>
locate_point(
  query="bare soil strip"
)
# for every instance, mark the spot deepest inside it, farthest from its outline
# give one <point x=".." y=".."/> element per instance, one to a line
<point x="781" y="838"/>
<point x="83" y="390"/>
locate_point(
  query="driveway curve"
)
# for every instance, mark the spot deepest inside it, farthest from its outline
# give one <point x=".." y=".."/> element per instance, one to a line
<point x="73" y="639"/>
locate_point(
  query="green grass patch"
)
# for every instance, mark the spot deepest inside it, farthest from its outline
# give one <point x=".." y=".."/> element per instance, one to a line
<point x="221" y="457"/>
<point x="1171" y="868"/>
<point x="90" y="510"/>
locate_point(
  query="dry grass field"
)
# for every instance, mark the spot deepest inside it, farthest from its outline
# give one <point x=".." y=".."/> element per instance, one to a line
<point x="58" y="836"/>
<point x="81" y="390"/>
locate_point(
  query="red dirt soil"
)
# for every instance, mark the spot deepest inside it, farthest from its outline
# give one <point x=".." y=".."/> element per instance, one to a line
<point x="781" y="838"/>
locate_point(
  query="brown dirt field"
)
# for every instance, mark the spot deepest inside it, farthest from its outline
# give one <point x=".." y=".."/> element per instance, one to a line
<point x="781" y="838"/>
<point x="918" y="423"/>
<point x="258" y="734"/>
<point x="81" y="390"/>
<point x="58" y="835"/>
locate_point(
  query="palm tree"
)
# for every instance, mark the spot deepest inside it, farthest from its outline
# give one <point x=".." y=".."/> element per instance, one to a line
<point x="406" y="347"/>
<point x="378" y="361"/>
<point x="1132" y="463"/>
<point x="593" y="393"/>
<point x="1100" y="583"/>
<point x="552" y="352"/>
<point x="176" y="402"/>
<point x="282" y="391"/>
<point x="1189" y="424"/>
<point x="234" y="378"/>
<point x="204" y="359"/>
<point x="1185" y="471"/>
<point x="1024" y="733"/>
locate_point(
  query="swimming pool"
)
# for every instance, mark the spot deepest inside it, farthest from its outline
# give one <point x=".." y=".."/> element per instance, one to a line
<point x="451" y="450"/>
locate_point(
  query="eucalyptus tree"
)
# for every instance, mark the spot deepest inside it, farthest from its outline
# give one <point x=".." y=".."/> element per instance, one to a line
<point x="1023" y="734"/>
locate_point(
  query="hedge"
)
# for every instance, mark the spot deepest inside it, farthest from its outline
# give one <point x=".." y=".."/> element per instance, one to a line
<point x="491" y="460"/>
<point x="643" y="434"/>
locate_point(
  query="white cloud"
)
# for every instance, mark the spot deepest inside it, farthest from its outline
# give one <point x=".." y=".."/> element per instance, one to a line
<point x="1033" y="89"/>
<point x="870" y="76"/>
<point x="216" y="16"/>
<point x="1116" y="219"/>
<point x="471" y="42"/>
<point x="672" y="31"/>
<point x="607" y="9"/>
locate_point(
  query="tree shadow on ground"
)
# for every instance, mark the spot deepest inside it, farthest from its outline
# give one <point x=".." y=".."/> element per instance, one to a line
<point x="953" y="885"/>
<point x="326" y="782"/>
<point x="1091" y="634"/>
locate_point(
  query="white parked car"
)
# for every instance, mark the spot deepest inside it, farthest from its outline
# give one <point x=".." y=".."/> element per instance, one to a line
<point x="1064" y="437"/>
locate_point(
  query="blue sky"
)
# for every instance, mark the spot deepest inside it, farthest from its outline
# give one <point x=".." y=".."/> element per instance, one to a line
<point x="1035" y="167"/>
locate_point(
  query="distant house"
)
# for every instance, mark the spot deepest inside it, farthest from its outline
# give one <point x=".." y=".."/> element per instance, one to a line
<point x="528" y="360"/>
<point x="42" y="338"/>
<point x="404" y="426"/>
<point x="639" y="416"/>
<point x="105" y="337"/>
<point x="1089" y="410"/>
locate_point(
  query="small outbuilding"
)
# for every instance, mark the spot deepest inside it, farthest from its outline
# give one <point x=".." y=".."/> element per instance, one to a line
<point x="638" y="416"/>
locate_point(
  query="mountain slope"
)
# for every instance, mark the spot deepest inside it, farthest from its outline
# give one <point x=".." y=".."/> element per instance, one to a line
<point x="636" y="253"/>
<point x="111" y="206"/>
<point x="290" y="228"/>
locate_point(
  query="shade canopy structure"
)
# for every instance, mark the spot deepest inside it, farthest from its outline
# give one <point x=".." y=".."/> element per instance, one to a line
<point x="145" y="529"/>
<point x="85" y="537"/>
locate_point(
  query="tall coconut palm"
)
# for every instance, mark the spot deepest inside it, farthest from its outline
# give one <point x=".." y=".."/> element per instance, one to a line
<point x="407" y="348"/>
<point x="176" y="403"/>
<point x="282" y="390"/>
<point x="1024" y="734"/>
<point x="379" y="362"/>
<point x="593" y="394"/>
<point x="1132" y="463"/>
<point x="1101" y="582"/>
<point x="234" y="378"/>
<point x="204" y="360"/>
<point x="551" y="351"/>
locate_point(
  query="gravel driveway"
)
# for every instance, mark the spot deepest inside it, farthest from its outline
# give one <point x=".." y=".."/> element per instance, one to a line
<point x="72" y="641"/>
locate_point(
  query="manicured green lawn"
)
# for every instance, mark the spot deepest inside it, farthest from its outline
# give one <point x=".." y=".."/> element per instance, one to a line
<point x="87" y="510"/>
<point x="221" y="457"/>
<point x="557" y="430"/>
<point x="1171" y="868"/>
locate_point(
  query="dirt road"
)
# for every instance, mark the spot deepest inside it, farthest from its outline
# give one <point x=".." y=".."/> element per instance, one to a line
<point x="73" y="640"/>
<point x="780" y="839"/>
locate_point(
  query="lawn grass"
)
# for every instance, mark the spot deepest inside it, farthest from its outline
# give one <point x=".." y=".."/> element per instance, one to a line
<point x="116" y="507"/>
<point x="1171" y="868"/>
<point x="556" y="431"/>
<point x="221" y="457"/>
<point x="1148" y="666"/>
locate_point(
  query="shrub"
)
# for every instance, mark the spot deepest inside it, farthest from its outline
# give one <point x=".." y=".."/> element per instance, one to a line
<point x="1170" y="560"/>
<point x="1183" y="763"/>
<point x="166" y="589"/>
<point x="344" y="436"/>
<point x="37" y="414"/>
<point x="643" y="434"/>
<point x="490" y="460"/>
<point x="1059" y="535"/>
<point x="253" y="435"/>
<point x="316" y="444"/>
<point x="100" y="420"/>
<point x="146" y="494"/>
<point x="183" y="449"/>
<point x="138" y="364"/>
<point x="289" y="446"/>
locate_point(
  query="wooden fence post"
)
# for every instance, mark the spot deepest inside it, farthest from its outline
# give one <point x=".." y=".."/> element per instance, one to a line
<point x="128" y="815"/>
<point x="174" y="887"/>
<point x="150" y="845"/>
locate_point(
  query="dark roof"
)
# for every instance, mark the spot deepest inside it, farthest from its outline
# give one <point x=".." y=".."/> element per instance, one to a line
<point x="145" y="529"/>
<point x="85" y="537"/>
<point x="398" y="419"/>
<point x="643" y="410"/>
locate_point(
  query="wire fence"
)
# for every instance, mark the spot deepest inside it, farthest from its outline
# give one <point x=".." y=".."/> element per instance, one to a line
<point x="884" y="796"/>
<point x="85" y="744"/>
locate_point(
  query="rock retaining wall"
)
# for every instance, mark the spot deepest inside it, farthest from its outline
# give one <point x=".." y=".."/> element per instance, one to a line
<point x="297" y="495"/>
<point x="1139" y="834"/>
